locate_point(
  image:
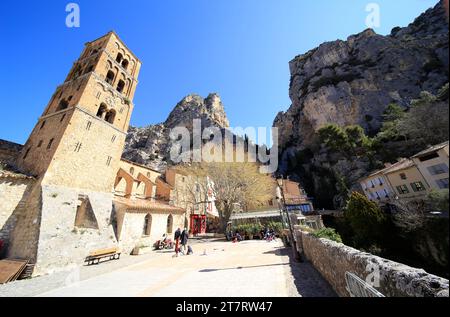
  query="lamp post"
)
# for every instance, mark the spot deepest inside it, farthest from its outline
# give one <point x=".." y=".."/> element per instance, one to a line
<point x="280" y="182"/>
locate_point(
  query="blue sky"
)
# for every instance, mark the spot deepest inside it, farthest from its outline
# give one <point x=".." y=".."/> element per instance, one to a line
<point x="237" y="48"/>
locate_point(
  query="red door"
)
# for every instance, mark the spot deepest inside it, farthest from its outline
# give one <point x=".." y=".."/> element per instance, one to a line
<point x="198" y="224"/>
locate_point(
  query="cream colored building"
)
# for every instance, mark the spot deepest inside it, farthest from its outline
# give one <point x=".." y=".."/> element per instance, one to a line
<point x="410" y="179"/>
<point x="376" y="186"/>
<point x="407" y="181"/>
<point x="433" y="164"/>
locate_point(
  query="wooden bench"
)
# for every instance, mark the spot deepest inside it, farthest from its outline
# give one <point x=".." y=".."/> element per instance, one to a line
<point x="95" y="256"/>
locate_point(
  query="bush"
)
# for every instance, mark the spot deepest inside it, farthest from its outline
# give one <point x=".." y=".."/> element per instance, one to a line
<point x="438" y="200"/>
<point x="365" y="218"/>
<point x="328" y="233"/>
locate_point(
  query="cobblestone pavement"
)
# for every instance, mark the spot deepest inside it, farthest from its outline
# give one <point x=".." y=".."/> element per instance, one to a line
<point x="217" y="269"/>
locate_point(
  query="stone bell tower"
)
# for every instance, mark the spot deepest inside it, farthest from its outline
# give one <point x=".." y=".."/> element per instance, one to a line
<point x="79" y="139"/>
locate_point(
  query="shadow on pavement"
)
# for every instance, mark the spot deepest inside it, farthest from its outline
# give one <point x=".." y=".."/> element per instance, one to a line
<point x="307" y="280"/>
<point x="242" y="267"/>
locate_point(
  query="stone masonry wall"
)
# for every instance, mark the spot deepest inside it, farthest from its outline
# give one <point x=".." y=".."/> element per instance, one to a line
<point x="333" y="259"/>
<point x="13" y="193"/>
<point x="9" y="151"/>
<point x="24" y="237"/>
<point x="63" y="245"/>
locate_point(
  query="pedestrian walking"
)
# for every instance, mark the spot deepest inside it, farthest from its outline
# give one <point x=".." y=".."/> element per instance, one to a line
<point x="177" y="241"/>
<point x="184" y="240"/>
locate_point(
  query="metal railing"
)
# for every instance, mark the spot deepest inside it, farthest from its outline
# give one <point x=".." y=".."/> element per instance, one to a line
<point x="358" y="288"/>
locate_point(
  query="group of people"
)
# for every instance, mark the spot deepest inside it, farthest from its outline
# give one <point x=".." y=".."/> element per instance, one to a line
<point x="267" y="234"/>
<point x="181" y="238"/>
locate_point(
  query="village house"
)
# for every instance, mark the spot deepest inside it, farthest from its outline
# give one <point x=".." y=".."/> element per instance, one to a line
<point x="376" y="186"/>
<point x="433" y="164"/>
<point x="67" y="191"/>
<point x="409" y="179"/>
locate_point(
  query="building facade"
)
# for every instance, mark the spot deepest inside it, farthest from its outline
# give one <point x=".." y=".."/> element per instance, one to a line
<point x="433" y="164"/>
<point x="410" y="179"/>
<point x="377" y="188"/>
<point x="406" y="181"/>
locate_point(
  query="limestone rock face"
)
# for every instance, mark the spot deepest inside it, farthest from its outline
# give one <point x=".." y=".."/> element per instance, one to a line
<point x="151" y="145"/>
<point x="353" y="81"/>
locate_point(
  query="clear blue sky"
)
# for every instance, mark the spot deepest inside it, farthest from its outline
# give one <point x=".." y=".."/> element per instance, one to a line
<point x="237" y="48"/>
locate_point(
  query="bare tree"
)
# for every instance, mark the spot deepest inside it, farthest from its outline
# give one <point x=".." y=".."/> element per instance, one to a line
<point x="234" y="184"/>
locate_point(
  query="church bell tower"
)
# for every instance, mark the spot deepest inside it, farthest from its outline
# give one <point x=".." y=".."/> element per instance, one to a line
<point x="79" y="139"/>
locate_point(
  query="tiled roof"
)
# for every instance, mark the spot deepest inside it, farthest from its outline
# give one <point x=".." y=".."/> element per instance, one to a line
<point x="140" y="165"/>
<point x="432" y="149"/>
<point x="403" y="164"/>
<point x="143" y="205"/>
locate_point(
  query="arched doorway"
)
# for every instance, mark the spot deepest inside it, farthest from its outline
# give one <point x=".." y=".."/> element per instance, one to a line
<point x="170" y="224"/>
<point x="147" y="225"/>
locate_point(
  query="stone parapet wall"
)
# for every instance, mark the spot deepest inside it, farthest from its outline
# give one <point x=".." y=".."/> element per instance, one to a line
<point x="334" y="259"/>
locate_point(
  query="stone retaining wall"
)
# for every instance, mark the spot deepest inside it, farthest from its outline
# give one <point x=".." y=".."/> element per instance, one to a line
<point x="333" y="259"/>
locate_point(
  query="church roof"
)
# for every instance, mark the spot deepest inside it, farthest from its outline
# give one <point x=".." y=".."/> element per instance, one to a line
<point x="145" y="206"/>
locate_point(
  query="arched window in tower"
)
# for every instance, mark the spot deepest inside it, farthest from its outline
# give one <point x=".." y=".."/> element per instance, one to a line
<point x="110" y="77"/>
<point x="63" y="104"/>
<point x="119" y="58"/>
<point x="128" y="86"/>
<point x="125" y="64"/>
<point x="101" y="110"/>
<point x="89" y="69"/>
<point x="110" y="116"/>
<point x="77" y="72"/>
<point x="170" y="224"/>
<point x="132" y="170"/>
<point x="120" y="86"/>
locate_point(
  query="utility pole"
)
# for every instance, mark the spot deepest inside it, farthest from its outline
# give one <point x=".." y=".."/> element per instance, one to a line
<point x="296" y="254"/>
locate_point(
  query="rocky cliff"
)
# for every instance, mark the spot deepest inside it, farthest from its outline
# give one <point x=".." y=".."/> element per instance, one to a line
<point x="151" y="145"/>
<point x="353" y="81"/>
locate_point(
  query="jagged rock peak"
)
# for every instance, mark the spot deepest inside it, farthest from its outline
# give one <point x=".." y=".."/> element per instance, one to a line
<point x="209" y="109"/>
<point x="151" y="145"/>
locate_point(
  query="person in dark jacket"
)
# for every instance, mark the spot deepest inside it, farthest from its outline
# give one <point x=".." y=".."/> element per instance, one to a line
<point x="184" y="239"/>
<point x="177" y="241"/>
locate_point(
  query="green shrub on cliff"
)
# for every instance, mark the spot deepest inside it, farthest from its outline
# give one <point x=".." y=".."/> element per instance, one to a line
<point x="365" y="218"/>
<point x="349" y="141"/>
<point x="328" y="233"/>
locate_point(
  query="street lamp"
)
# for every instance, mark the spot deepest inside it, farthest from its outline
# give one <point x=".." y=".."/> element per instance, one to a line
<point x="282" y="202"/>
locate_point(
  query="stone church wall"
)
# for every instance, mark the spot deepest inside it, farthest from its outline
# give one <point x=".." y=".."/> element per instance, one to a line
<point x="13" y="194"/>
<point x="61" y="243"/>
